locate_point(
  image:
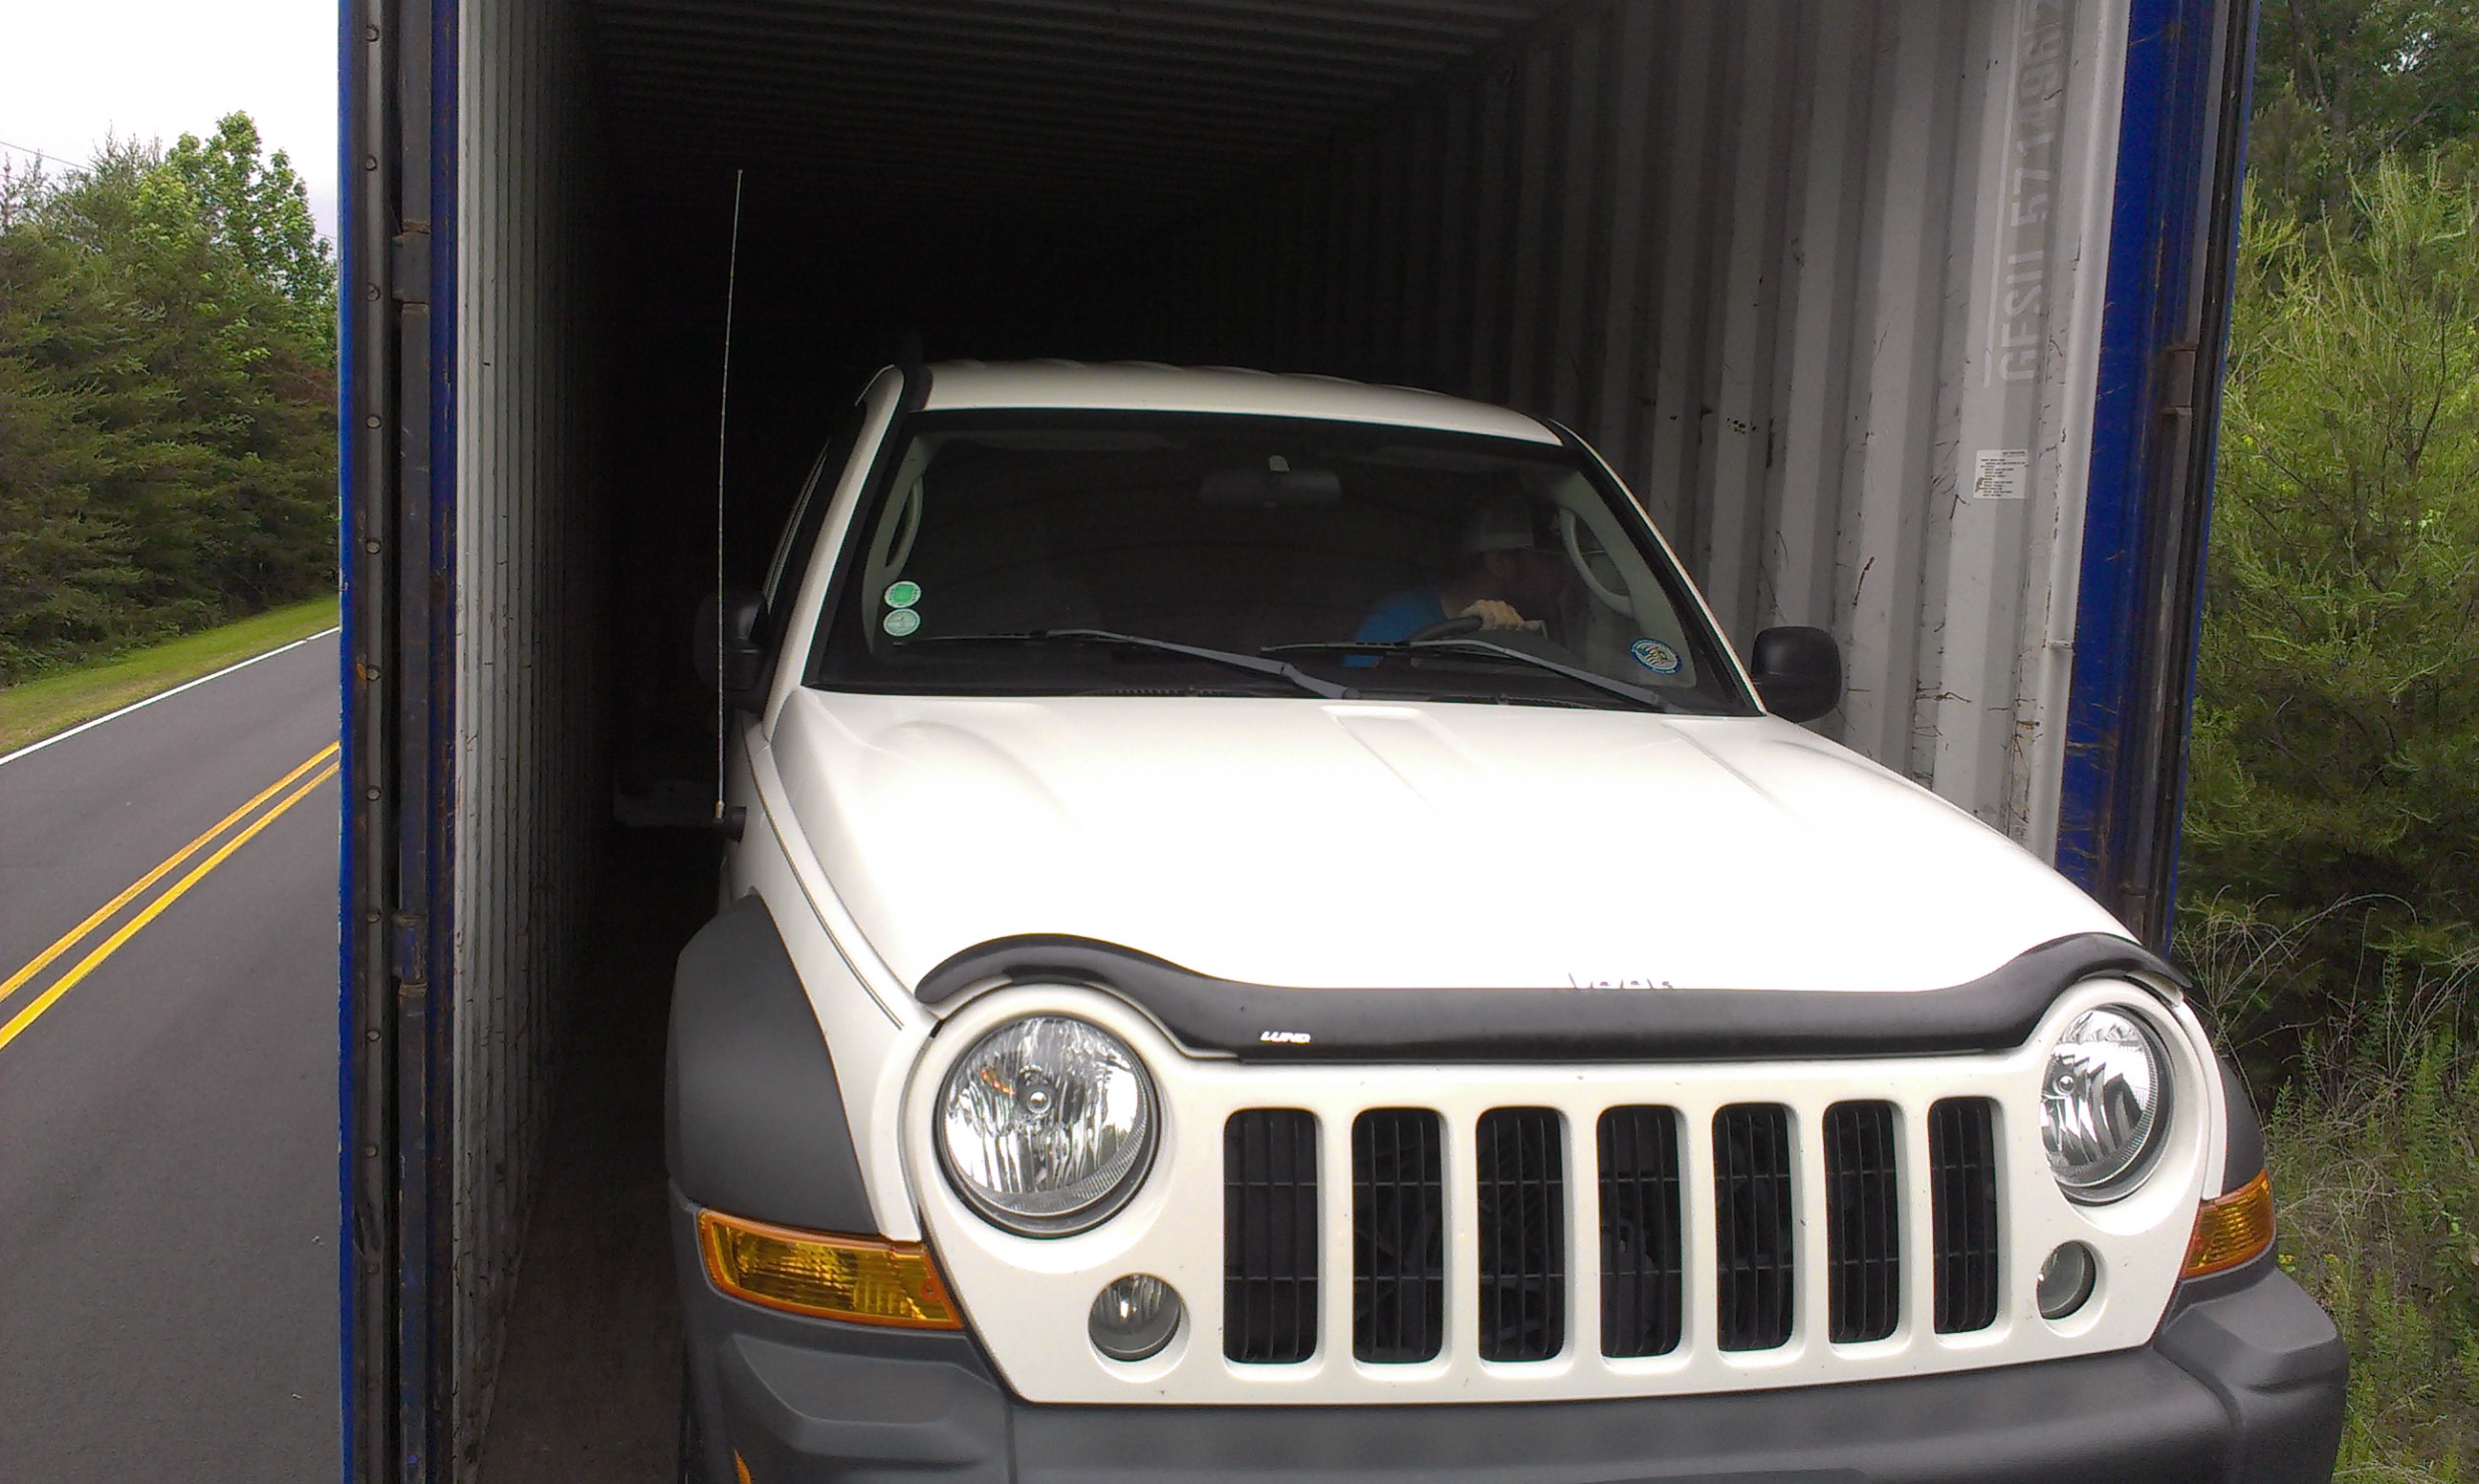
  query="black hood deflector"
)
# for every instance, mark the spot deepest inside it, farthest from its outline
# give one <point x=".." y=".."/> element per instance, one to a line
<point x="1270" y="1023"/>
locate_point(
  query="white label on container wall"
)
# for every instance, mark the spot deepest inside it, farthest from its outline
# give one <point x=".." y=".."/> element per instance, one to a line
<point x="2001" y="473"/>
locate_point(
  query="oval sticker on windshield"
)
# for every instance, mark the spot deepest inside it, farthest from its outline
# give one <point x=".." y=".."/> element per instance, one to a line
<point x="1654" y="655"/>
<point x="901" y="622"/>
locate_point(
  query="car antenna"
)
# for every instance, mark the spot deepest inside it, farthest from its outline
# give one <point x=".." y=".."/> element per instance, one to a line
<point x="724" y="823"/>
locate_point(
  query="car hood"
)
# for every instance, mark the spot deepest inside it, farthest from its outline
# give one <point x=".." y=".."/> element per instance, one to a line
<point x="1364" y="844"/>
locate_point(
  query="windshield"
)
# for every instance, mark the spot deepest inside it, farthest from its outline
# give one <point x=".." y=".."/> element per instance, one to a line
<point x="1137" y="552"/>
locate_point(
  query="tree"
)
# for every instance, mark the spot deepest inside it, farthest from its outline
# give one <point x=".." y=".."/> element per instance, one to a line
<point x="167" y="397"/>
<point x="2342" y="85"/>
<point x="259" y="211"/>
<point x="2335" y="749"/>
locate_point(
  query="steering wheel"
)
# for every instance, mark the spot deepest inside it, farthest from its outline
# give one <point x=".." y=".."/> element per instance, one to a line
<point x="1530" y="641"/>
<point x="1446" y="629"/>
<point x="1615" y="602"/>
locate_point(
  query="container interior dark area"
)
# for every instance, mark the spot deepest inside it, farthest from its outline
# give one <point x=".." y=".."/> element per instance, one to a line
<point x="958" y="179"/>
<point x="946" y="178"/>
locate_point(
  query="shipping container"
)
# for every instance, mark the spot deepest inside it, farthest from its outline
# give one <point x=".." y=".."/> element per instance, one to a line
<point x="1904" y="320"/>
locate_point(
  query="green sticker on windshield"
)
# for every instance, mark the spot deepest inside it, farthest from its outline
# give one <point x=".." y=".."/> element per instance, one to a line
<point x="900" y="622"/>
<point x="902" y="595"/>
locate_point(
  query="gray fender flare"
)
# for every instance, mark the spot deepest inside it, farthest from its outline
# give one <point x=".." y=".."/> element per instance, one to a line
<point x="754" y="1121"/>
<point x="2243" y="1133"/>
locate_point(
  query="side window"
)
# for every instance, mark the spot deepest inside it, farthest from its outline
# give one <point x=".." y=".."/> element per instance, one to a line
<point x="802" y="529"/>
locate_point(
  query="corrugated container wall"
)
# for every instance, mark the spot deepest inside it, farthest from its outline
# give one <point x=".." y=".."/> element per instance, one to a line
<point x="472" y="684"/>
<point x="1826" y="291"/>
<point x="527" y="655"/>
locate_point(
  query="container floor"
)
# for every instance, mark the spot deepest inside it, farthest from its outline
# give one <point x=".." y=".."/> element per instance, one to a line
<point x="589" y="1381"/>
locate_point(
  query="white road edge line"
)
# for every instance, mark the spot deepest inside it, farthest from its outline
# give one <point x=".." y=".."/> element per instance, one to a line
<point x="164" y="694"/>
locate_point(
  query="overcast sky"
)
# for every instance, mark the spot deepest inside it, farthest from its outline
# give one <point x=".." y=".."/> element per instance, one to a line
<point x="73" y="71"/>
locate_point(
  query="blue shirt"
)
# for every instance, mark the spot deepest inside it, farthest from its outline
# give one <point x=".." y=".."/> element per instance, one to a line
<point x="1402" y="616"/>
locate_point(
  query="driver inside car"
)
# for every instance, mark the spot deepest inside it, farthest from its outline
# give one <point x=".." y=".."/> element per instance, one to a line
<point x="1515" y="580"/>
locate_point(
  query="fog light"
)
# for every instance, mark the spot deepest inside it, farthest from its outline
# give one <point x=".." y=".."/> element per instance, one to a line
<point x="2066" y="1280"/>
<point x="1134" y="1318"/>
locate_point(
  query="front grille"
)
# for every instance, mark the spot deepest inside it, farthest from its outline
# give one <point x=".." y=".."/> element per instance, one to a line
<point x="1644" y="1297"/>
<point x="1754" y="1236"/>
<point x="1962" y="1177"/>
<point x="1270" y="1236"/>
<point x="1863" y="1229"/>
<point x="1399" y="1227"/>
<point x="1662" y="1243"/>
<point x="1522" y="1193"/>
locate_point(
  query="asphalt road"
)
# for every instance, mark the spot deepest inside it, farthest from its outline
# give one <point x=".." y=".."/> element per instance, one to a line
<point x="168" y="1120"/>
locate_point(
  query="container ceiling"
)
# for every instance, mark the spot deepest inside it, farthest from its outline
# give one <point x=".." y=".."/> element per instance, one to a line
<point x="1010" y="108"/>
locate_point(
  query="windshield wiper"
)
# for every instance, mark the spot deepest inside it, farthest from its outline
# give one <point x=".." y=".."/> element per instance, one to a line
<point x="1634" y="695"/>
<point x="1255" y="663"/>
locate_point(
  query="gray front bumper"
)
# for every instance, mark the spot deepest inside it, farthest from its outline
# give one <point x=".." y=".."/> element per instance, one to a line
<point x="2244" y="1382"/>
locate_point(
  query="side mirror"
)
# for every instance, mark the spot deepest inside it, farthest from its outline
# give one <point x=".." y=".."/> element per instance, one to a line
<point x="737" y="665"/>
<point x="1798" y="671"/>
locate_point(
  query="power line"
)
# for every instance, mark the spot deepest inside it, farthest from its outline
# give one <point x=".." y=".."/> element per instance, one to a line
<point x="28" y="149"/>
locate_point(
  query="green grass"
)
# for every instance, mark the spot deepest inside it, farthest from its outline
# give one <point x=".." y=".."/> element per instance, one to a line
<point x="2376" y="1175"/>
<point x="35" y="709"/>
<point x="2373" y="1139"/>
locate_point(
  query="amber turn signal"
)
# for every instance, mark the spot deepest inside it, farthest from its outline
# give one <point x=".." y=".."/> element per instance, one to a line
<point x="861" y="1280"/>
<point x="2230" y="1229"/>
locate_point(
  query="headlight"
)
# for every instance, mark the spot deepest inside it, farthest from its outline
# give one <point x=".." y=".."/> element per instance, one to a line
<point x="2104" y="1103"/>
<point x="1046" y="1126"/>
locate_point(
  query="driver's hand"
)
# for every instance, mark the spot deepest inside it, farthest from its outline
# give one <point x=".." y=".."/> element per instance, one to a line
<point x="1498" y="613"/>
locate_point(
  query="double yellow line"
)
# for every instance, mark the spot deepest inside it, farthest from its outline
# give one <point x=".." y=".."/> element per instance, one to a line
<point x="321" y="767"/>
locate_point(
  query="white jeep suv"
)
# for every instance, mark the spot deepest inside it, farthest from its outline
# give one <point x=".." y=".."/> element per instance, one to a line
<point x="1270" y="935"/>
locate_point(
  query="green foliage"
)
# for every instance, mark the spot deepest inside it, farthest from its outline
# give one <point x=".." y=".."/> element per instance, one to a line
<point x="259" y="215"/>
<point x="2342" y="86"/>
<point x="2328" y="887"/>
<point x="2377" y="1190"/>
<point x="167" y="387"/>
<point x="2336" y="747"/>
<point x="2372" y="1136"/>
